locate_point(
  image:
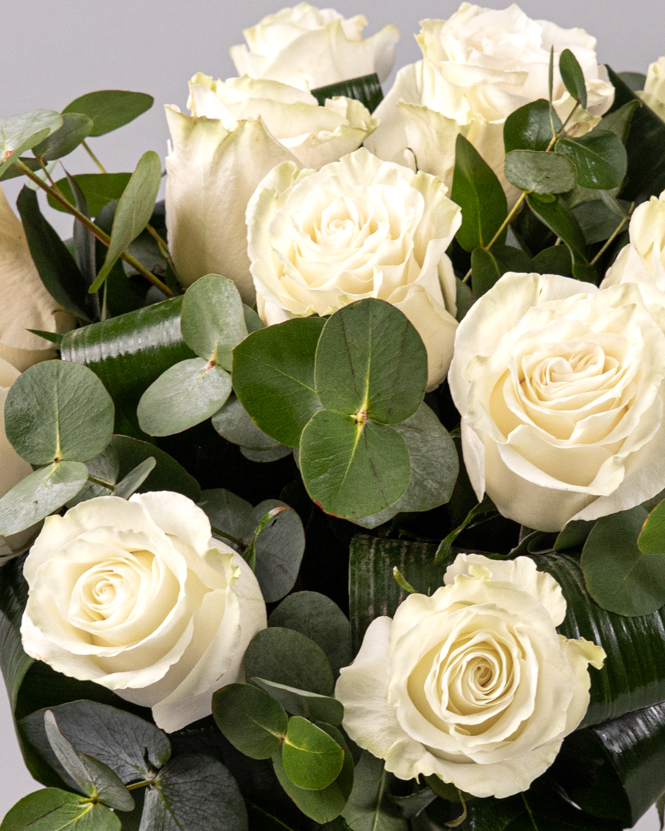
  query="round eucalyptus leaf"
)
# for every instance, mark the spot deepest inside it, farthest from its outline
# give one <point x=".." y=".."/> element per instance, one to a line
<point x="57" y="410"/>
<point x="289" y="658"/>
<point x="279" y="549"/>
<point x="234" y="423"/>
<point x="530" y="127"/>
<point x="281" y="451"/>
<point x="371" y="360"/>
<point x="228" y="514"/>
<point x="167" y="475"/>
<point x="212" y="319"/>
<point x="253" y="721"/>
<point x="652" y="535"/>
<point x="572" y="76"/>
<point x="39" y="494"/>
<point x="303" y="703"/>
<point x="353" y="470"/>
<point x="51" y="809"/>
<point x="312" y="759"/>
<point x="600" y="159"/>
<point x="75" y="129"/>
<point x="536" y="171"/>
<point x="186" y="394"/>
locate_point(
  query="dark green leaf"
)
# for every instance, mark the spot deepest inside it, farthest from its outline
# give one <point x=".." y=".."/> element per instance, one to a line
<point x="99" y="189"/>
<point x="133" y="212"/>
<point x="366" y="89"/>
<point x="279" y="549"/>
<point x="652" y="535"/>
<point x="618" y="121"/>
<point x="212" y="319"/>
<point x="234" y="423"/>
<point x="320" y="619"/>
<point x="371" y="360"/>
<point x="529" y="127"/>
<point x="636" y="81"/>
<point x="128" y="353"/>
<point x="253" y="721"/>
<point x="84" y="245"/>
<point x="414" y="804"/>
<point x="536" y="171"/>
<point x="562" y="222"/>
<point x="599" y="159"/>
<point x="573" y="76"/>
<point x="54" y="810"/>
<point x="351" y="469"/>
<point x="192" y="793"/>
<point x="135" y="478"/>
<point x="619" y="576"/>
<point x="597" y="220"/>
<point x="369" y="807"/>
<point x="56" y="266"/>
<point x="39" y="494"/>
<point x="110" y="108"/>
<point x="273" y="454"/>
<point x="289" y="658"/>
<point x="273" y="376"/>
<point x="488" y="266"/>
<point x="22" y="132"/>
<point x="479" y="194"/>
<point x="12" y="172"/>
<point x="186" y="394"/>
<point x="13" y="596"/>
<point x="229" y="513"/>
<point x="58" y="411"/>
<point x="76" y="127"/>
<point x="168" y="475"/>
<point x="311" y="758"/>
<point x="92" y="777"/>
<point x="259" y="820"/>
<point x="303" y="703"/>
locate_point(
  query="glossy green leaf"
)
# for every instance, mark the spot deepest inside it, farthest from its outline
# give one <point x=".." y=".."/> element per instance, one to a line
<point x="92" y="777"/>
<point x="212" y="319"/>
<point x="58" y="411"/>
<point x="133" y="212"/>
<point x="56" y="266"/>
<point x="370" y="359"/>
<point x="192" y="793"/>
<point x="366" y="89"/>
<point x="488" y="266"/>
<point x="76" y="127"/>
<point x="322" y="806"/>
<point x="185" y="395"/>
<point x="479" y="194"/>
<point x="253" y="721"/>
<point x="311" y="758"/>
<point x="303" y="703"/>
<point x="167" y="475"/>
<point x="351" y="469"/>
<point x="529" y="127"/>
<point x="54" y="810"/>
<point x="273" y="376"/>
<point x="128" y="353"/>
<point x="234" y="423"/>
<point x="536" y="171"/>
<point x="40" y="494"/>
<point x="287" y="657"/>
<point x="110" y="108"/>
<point x="599" y="159"/>
<point x="369" y="807"/>
<point x="561" y="221"/>
<point x="573" y="77"/>
<point x="22" y="132"/>
<point x="652" y="536"/>
<point x="99" y="189"/>
<point x="619" y="576"/>
<point x="320" y="619"/>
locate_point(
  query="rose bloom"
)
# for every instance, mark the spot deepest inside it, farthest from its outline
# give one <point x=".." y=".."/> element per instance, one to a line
<point x="136" y="596"/>
<point x="308" y="48"/>
<point x="472" y="684"/>
<point x="654" y="88"/>
<point x="357" y="228"/>
<point x="478" y="67"/>
<point x="559" y="386"/>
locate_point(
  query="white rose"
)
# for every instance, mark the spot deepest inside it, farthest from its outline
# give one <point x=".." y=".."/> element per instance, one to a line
<point x="357" y="228"/>
<point x="654" y="88"/>
<point x="643" y="259"/>
<point x="24" y="301"/>
<point x="560" y="390"/>
<point x="472" y="684"/>
<point x="478" y="67"/>
<point x="308" y="48"/>
<point x="314" y="135"/>
<point x="136" y="596"/>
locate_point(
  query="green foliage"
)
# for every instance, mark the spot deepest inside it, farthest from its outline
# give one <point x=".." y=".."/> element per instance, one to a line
<point x="167" y="475"/>
<point x="110" y="108"/>
<point x="76" y="127"/>
<point x="253" y="721"/>
<point x="536" y="171"/>
<point x="488" y="266"/>
<point x="479" y="194"/>
<point x="529" y="127"/>
<point x="53" y="810"/>
<point x="303" y="703"/>
<point x="23" y="132"/>
<point x="369" y="807"/>
<point x="366" y="89"/>
<point x="311" y="758"/>
<point x="289" y="658"/>
<point x="99" y="189"/>
<point x="599" y="159"/>
<point x="573" y="77"/>
<point x="652" y="536"/>
<point x="234" y="423"/>
<point x="561" y="221"/>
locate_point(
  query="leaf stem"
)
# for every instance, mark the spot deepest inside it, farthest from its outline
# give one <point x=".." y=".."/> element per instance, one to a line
<point x="136" y="785"/>
<point x="529" y="812"/>
<point x="101" y="482"/>
<point x="97" y="232"/>
<point x="88" y="150"/>
<point x="614" y="235"/>
<point x="240" y="543"/>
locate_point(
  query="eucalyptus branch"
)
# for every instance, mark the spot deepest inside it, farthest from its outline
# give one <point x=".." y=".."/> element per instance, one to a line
<point x="88" y="150"/>
<point x="614" y="235"/>
<point x="101" y="482"/>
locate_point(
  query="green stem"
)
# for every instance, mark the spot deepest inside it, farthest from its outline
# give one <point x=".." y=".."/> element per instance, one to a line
<point x="529" y="812"/>
<point x="101" y="482"/>
<point x="97" y="232"/>
<point x="136" y="785"/>
<point x="88" y="150"/>
<point x="615" y="233"/>
<point x="234" y="540"/>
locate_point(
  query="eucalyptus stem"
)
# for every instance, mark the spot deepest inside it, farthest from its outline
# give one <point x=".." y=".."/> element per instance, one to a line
<point x="104" y="238"/>
<point x="234" y="540"/>
<point x="615" y="233"/>
<point x="88" y="150"/>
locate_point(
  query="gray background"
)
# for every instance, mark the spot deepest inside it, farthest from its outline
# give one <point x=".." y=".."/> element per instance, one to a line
<point x="52" y="51"/>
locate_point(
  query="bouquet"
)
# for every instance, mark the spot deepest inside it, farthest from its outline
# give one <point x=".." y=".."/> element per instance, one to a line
<point x="332" y="485"/>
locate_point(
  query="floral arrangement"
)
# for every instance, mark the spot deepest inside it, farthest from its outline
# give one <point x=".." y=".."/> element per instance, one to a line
<point x="332" y="486"/>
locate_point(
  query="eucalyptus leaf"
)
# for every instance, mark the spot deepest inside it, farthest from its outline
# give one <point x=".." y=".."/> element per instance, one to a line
<point x="25" y="131"/>
<point x="573" y="77"/>
<point x="369" y="807"/>
<point x="488" y="266"/>
<point x="76" y="127"/>
<point x="110" y="108"/>
<point x="478" y="192"/>
<point x="561" y="220"/>
<point x="273" y="454"/>
<point x="251" y="719"/>
<point x="135" y="478"/>
<point x="311" y="758"/>
<point x="652" y="536"/>
<point x="366" y="89"/>
<point x="167" y="474"/>
<point x="58" y="411"/>
<point x="40" y="494"/>
<point x="599" y="159"/>
<point x="185" y="395"/>
<point x="234" y="423"/>
<point x="278" y="549"/>
<point x="536" y="171"/>
<point x="287" y="657"/>
<point x="99" y="189"/>
<point x="273" y="376"/>
<point x="597" y="220"/>
<point x="133" y="212"/>
<point x="618" y="121"/>
<point x="529" y="127"/>
<point x="229" y="514"/>
<point x="84" y="245"/>
<point x="54" y="810"/>
<point x="303" y="703"/>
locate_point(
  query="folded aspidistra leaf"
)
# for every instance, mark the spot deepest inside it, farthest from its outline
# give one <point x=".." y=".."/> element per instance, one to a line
<point x="366" y="89"/>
